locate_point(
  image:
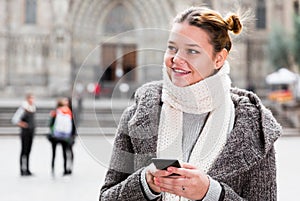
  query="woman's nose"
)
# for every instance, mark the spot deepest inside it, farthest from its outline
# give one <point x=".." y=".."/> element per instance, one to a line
<point x="179" y="59"/>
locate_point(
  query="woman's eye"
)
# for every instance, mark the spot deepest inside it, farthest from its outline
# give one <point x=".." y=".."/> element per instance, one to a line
<point x="172" y="48"/>
<point x="192" y="51"/>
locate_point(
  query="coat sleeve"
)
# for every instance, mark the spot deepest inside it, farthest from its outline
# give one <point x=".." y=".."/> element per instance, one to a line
<point x="121" y="181"/>
<point x="17" y="117"/>
<point x="259" y="182"/>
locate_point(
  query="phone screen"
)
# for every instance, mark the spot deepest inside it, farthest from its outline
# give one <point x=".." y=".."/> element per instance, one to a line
<point x="163" y="164"/>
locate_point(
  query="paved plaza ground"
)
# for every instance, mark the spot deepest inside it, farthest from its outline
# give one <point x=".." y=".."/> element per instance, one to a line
<point x="91" y="157"/>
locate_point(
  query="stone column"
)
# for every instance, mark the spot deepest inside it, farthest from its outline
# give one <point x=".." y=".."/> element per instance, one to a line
<point x="3" y="63"/>
<point x="59" y="72"/>
<point x="59" y="82"/>
<point x="3" y="42"/>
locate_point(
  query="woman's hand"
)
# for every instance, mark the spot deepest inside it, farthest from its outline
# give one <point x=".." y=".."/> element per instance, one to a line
<point x="23" y="124"/>
<point x="192" y="184"/>
<point x="152" y="173"/>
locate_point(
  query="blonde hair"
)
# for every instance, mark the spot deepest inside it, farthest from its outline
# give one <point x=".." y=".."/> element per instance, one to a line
<point x="214" y="24"/>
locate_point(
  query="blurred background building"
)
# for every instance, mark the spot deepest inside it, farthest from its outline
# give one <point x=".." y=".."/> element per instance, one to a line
<point x="47" y="46"/>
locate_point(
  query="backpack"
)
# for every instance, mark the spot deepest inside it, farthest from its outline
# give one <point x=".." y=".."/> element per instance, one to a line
<point x="62" y="128"/>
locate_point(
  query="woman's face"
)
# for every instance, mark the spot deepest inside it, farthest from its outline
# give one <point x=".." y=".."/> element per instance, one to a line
<point x="189" y="55"/>
<point x="30" y="100"/>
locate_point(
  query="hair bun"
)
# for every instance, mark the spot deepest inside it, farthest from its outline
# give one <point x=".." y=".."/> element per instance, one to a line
<point x="234" y="24"/>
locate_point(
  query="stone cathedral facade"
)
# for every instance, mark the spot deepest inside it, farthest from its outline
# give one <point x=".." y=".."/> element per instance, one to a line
<point x="47" y="46"/>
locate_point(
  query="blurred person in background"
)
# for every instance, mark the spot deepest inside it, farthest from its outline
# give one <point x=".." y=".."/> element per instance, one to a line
<point x="24" y="117"/>
<point x="75" y="123"/>
<point x="61" y="132"/>
<point x="78" y="95"/>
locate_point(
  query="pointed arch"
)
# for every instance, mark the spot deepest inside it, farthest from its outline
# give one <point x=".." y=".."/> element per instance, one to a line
<point x="94" y="22"/>
<point x="118" y="20"/>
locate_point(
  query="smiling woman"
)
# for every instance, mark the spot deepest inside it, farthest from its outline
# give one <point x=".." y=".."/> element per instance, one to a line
<point x="198" y="45"/>
<point x="223" y="136"/>
<point x="189" y="55"/>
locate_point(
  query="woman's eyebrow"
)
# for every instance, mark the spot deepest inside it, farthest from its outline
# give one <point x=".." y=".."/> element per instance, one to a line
<point x="193" y="45"/>
<point x="171" y="42"/>
<point x="189" y="44"/>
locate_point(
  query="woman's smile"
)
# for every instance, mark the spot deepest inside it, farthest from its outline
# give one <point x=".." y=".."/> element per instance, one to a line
<point x="180" y="72"/>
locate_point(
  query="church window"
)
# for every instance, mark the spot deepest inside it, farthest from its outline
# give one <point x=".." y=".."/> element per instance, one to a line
<point x="261" y="14"/>
<point x="30" y="11"/>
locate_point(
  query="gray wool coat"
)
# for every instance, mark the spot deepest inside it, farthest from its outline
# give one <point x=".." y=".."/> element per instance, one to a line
<point x="246" y="168"/>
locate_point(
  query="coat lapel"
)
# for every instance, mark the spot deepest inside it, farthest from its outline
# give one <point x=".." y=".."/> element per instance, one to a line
<point x="143" y="126"/>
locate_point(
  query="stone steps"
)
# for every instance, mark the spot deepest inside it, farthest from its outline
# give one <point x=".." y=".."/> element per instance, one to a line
<point x="95" y="118"/>
<point x="100" y="119"/>
<point x="291" y="132"/>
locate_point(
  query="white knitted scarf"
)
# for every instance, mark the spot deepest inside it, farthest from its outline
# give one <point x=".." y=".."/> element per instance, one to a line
<point x="209" y="95"/>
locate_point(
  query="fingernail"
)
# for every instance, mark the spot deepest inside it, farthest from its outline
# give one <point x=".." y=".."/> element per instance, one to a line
<point x="170" y="169"/>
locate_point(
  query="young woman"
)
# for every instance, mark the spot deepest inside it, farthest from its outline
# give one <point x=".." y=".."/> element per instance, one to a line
<point x="224" y="136"/>
<point x="61" y="126"/>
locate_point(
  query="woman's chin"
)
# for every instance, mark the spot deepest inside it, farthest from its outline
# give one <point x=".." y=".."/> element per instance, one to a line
<point x="180" y="83"/>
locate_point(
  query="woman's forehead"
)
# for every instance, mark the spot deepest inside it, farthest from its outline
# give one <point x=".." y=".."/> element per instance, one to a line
<point x="188" y="33"/>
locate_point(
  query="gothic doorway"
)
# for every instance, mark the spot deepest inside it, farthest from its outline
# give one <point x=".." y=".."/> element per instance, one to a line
<point x="118" y="62"/>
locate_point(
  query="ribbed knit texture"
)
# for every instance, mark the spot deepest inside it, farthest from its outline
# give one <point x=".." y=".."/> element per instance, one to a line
<point x="214" y="191"/>
<point x="192" y="126"/>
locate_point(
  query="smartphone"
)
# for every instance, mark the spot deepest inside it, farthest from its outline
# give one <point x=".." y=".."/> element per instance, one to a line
<point x="163" y="164"/>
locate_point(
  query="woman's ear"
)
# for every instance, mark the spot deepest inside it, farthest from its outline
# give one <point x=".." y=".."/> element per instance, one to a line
<point x="220" y="58"/>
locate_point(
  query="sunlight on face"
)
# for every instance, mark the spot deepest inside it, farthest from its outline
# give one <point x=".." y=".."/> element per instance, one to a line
<point x="189" y="55"/>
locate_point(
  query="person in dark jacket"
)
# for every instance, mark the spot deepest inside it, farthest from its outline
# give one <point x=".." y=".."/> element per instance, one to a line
<point x="75" y="123"/>
<point x="25" y="119"/>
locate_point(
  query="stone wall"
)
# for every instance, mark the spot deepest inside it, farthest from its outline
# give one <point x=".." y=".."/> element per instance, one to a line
<point x="65" y="43"/>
